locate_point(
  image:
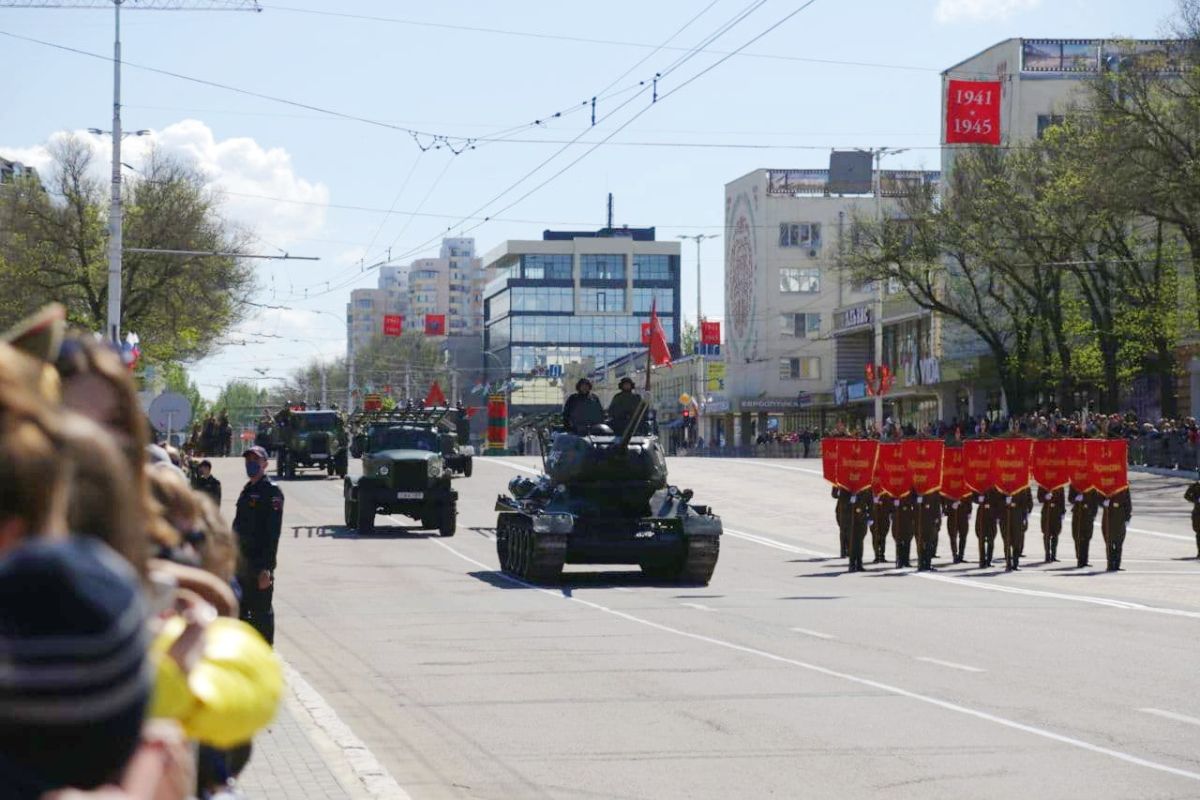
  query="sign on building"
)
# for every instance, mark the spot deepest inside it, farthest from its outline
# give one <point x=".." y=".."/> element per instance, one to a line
<point x="393" y="324"/>
<point x="716" y="376"/>
<point x="973" y="112"/>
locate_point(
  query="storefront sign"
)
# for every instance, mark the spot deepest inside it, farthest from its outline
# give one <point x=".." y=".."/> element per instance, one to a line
<point x="717" y="406"/>
<point x="715" y="378"/>
<point x="854" y="317"/>
<point x="769" y="404"/>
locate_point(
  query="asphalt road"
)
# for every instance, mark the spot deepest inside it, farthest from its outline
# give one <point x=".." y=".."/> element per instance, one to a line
<point x="786" y="677"/>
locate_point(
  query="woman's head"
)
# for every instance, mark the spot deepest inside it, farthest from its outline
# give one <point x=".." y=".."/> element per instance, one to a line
<point x="96" y="384"/>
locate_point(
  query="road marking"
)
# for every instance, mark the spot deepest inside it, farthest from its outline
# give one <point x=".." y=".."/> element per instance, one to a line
<point x="946" y="705"/>
<point x="743" y="462"/>
<point x="370" y="774"/>
<point x="509" y="464"/>
<point x="817" y="634"/>
<point x="950" y="664"/>
<point x="697" y="606"/>
<point x="970" y="583"/>
<point x="1158" y="712"/>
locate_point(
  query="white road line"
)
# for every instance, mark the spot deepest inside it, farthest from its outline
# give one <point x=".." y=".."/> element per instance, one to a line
<point x="1158" y="712"/>
<point x="946" y="705"/>
<point x="816" y="634"/>
<point x="697" y="606"/>
<point x="950" y="664"/>
<point x="970" y="583"/>
<point x="509" y="464"/>
<point x="371" y="775"/>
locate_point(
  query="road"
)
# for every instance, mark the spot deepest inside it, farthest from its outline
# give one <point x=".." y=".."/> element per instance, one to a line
<point x="786" y="677"/>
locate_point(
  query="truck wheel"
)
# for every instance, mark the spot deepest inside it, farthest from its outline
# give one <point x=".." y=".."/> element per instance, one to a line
<point x="329" y="468"/>
<point x="448" y="519"/>
<point x="291" y="469"/>
<point x="467" y="467"/>
<point x="366" y="516"/>
<point x="280" y="462"/>
<point x="351" y="513"/>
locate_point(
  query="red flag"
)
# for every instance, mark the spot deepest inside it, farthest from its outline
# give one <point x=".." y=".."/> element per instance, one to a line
<point x="977" y="465"/>
<point x="954" y="484"/>
<point x="1108" y="459"/>
<point x="435" y="324"/>
<point x="1010" y="464"/>
<point x="710" y="333"/>
<point x="973" y="112"/>
<point x="660" y="351"/>
<point x="435" y="396"/>
<point x="829" y="458"/>
<point x="856" y="464"/>
<point x="923" y="458"/>
<point x="393" y="324"/>
<point x="1078" y="468"/>
<point x="1050" y="467"/>
<point x="895" y="479"/>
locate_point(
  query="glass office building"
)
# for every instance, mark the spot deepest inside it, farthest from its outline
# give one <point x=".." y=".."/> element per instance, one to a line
<point x="577" y="298"/>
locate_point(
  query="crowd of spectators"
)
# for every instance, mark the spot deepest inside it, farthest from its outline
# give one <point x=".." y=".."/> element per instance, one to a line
<point x="124" y="671"/>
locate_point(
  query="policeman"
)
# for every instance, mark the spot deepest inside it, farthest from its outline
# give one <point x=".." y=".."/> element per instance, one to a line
<point x="1193" y="496"/>
<point x="858" y="514"/>
<point x="623" y="406"/>
<point x="257" y="524"/>
<point x="205" y="483"/>
<point x="582" y="409"/>
<point x="958" y="523"/>
<point x="1118" y="510"/>
<point x="1083" y="516"/>
<point x="881" y="521"/>
<point x="1054" y="507"/>
<point x="904" y="528"/>
<point x="928" y="513"/>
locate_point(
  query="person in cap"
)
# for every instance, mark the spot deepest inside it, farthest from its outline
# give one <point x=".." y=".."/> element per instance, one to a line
<point x="205" y="483"/>
<point x="624" y="406"/>
<point x="582" y="409"/>
<point x="257" y="523"/>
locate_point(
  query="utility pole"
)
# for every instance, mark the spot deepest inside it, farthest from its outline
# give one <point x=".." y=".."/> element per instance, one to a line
<point x="115" y="214"/>
<point x="877" y="187"/>
<point x="698" y="238"/>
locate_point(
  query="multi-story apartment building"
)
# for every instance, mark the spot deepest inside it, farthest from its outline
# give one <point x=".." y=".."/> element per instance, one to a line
<point x="797" y="329"/>
<point x="575" y="298"/>
<point x="451" y="284"/>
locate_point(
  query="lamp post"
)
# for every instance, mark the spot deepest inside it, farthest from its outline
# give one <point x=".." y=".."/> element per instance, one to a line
<point x="877" y="188"/>
<point x="698" y="238"/>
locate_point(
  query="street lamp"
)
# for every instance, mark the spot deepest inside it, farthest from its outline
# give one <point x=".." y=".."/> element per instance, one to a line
<point x="698" y="238"/>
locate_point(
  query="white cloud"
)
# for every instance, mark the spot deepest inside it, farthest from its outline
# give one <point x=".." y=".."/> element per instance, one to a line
<point x="245" y="173"/>
<point x="949" y="11"/>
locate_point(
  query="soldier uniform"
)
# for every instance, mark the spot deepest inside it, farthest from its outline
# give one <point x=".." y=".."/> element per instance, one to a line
<point x="858" y="514"/>
<point x="1012" y="515"/>
<point x="1024" y="500"/>
<point x="881" y="521"/>
<point x="1083" y="515"/>
<point x="904" y="528"/>
<point x="623" y="406"/>
<point x="257" y="523"/>
<point x="1054" y="507"/>
<point x="928" y="519"/>
<point x="1193" y="496"/>
<point x="985" y="524"/>
<point x="842" y="511"/>
<point x="958" y="522"/>
<point x="1118" y="510"/>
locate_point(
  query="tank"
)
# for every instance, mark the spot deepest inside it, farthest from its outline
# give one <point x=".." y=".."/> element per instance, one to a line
<point x="604" y="499"/>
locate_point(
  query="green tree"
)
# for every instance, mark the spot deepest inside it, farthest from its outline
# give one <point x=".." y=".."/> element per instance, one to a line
<point x="689" y="337"/>
<point x="412" y="358"/>
<point x="177" y="380"/>
<point x="53" y="246"/>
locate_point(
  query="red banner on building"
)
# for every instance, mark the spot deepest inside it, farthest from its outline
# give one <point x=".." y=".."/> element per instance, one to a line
<point x="435" y="324"/>
<point x="924" y="460"/>
<point x="710" y="333"/>
<point x="856" y="464"/>
<point x="891" y="466"/>
<point x="1010" y="464"/>
<point x="393" y="324"/>
<point x="1079" y="472"/>
<point x="1050" y="468"/>
<point x="829" y="458"/>
<point x="954" y="483"/>
<point x="1108" y="460"/>
<point x="977" y="465"/>
<point x="973" y="112"/>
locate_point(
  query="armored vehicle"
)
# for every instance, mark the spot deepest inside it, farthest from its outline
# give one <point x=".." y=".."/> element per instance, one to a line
<point x="403" y="472"/>
<point x="310" y="439"/>
<point x="605" y="499"/>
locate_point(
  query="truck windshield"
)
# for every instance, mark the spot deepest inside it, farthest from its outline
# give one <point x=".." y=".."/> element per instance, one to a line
<point x="403" y="439"/>
<point x="314" y="422"/>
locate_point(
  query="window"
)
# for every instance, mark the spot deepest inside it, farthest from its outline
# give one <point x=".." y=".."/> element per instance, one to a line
<point x="652" y="268"/>
<point x="547" y="267"/>
<point x="643" y="297"/>
<point x="1045" y="121"/>
<point x="802" y="326"/>
<point x="796" y="369"/>
<point x="364" y="303"/>
<point x="800" y="234"/>
<point x="800" y="279"/>
<point x="601" y="300"/>
<point x="602" y="267"/>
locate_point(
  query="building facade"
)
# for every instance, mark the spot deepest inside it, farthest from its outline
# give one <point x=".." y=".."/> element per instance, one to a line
<point x="450" y="285"/>
<point x="575" y="298"/>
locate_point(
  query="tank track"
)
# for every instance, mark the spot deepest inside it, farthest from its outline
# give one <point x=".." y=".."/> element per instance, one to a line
<point x="534" y="558"/>
<point x="700" y="560"/>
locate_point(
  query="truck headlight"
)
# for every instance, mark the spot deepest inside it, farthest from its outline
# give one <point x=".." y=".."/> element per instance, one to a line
<point x="435" y="467"/>
<point x="383" y="470"/>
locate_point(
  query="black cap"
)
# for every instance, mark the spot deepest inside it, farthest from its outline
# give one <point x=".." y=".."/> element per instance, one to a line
<point x="624" y="381"/>
<point x="579" y="383"/>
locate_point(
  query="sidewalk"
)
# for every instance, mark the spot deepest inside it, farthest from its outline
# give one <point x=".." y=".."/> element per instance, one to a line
<point x="286" y="765"/>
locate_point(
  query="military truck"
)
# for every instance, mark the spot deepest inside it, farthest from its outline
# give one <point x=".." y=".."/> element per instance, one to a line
<point x="404" y="472"/>
<point x="308" y="440"/>
<point x="604" y="499"/>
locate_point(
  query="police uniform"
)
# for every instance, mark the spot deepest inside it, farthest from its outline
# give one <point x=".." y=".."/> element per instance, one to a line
<point x="881" y="521"/>
<point x="257" y="523"/>
<point x="858" y="515"/>
<point x="210" y="486"/>
<point x="1118" y="510"/>
<point x="1054" y="507"/>
<point x="1083" y="516"/>
<point x="1193" y="496"/>
<point x="928" y="524"/>
<point x="958" y="523"/>
<point x="904" y="528"/>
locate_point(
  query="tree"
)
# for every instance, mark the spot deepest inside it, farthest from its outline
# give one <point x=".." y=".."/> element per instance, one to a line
<point x="178" y="381"/>
<point x="53" y="245"/>
<point x="689" y="336"/>
<point x="243" y="402"/>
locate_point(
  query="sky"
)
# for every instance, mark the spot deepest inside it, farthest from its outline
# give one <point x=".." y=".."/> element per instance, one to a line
<point x="345" y="131"/>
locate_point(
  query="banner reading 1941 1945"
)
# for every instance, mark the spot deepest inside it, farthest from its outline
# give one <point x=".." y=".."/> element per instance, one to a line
<point x="973" y="112"/>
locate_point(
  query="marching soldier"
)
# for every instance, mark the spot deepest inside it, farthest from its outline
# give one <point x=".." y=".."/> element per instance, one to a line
<point x="1012" y="518"/>
<point x="928" y="511"/>
<point x="1025" y="503"/>
<point x="842" y="511"/>
<point x="881" y="521"/>
<point x="1083" y="515"/>
<point x="985" y="524"/>
<point x="904" y="528"/>
<point x="1118" y="510"/>
<point x="1193" y="497"/>
<point x="1054" y="507"/>
<point x="858" y="515"/>
<point x="958" y="523"/>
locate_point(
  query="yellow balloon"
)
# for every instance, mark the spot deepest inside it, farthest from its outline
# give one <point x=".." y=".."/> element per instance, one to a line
<point x="685" y="399"/>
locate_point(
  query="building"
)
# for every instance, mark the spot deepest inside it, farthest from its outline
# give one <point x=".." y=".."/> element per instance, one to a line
<point x="798" y="332"/>
<point x="449" y="285"/>
<point x="11" y="171"/>
<point x="574" y="297"/>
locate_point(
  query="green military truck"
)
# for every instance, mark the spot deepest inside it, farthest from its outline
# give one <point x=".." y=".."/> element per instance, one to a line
<point x="404" y="472"/>
<point x="310" y="440"/>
